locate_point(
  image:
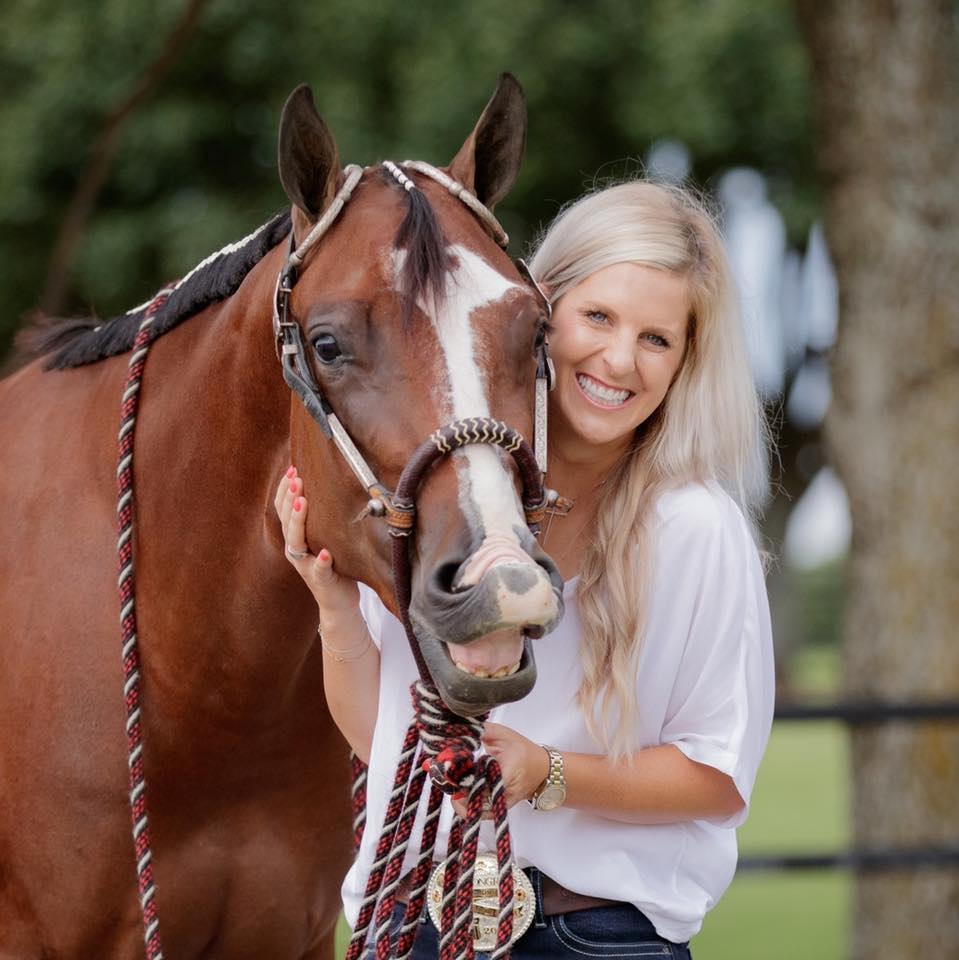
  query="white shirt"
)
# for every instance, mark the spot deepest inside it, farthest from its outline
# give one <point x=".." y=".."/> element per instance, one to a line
<point x="705" y="683"/>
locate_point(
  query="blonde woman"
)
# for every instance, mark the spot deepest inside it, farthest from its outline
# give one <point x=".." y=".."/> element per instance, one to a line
<point x="640" y="742"/>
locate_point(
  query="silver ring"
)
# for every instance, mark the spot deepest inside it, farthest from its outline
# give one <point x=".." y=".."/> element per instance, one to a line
<point x="295" y="554"/>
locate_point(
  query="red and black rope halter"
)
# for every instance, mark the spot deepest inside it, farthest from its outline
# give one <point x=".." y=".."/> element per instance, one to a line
<point x="128" y="632"/>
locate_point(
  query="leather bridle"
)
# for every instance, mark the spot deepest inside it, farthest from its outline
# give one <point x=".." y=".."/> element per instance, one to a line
<point x="398" y="507"/>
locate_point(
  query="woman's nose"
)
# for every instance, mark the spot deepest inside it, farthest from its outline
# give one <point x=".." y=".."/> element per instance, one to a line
<point x="620" y="355"/>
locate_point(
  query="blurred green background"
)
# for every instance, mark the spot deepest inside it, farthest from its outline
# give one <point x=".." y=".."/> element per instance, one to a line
<point x="182" y="115"/>
<point x="194" y="164"/>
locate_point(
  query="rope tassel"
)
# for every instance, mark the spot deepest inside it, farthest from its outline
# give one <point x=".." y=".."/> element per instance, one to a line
<point x="444" y="745"/>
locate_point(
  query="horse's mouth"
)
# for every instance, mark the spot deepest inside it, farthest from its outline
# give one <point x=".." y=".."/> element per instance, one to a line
<point x="467" y="691"/>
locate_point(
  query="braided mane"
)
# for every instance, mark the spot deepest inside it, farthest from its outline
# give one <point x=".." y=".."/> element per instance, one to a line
<point x="87" y="340"/>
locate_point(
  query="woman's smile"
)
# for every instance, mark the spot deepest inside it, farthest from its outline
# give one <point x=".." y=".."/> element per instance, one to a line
<point x="602" y="394"/>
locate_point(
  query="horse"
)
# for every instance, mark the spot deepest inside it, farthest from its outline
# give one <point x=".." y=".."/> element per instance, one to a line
<point x="409" y="315"/>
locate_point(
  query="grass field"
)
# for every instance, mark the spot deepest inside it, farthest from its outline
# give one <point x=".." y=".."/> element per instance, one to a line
<point x="800" y="804"/>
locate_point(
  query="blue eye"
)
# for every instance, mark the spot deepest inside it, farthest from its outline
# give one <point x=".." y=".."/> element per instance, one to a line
<point x="597" y="316"/>
<point x="657" y="339"/>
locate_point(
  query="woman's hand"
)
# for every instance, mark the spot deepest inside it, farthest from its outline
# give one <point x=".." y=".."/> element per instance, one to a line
<point x="334" y="593"/>
<point x="525" y="764"/>
<point x="351" y="663"/>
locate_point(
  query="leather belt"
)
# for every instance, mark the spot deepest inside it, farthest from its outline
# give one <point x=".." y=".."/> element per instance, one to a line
<point x="555" y="898"/>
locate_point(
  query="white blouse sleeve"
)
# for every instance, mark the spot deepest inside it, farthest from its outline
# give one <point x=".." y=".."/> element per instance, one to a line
<point x="720" y="709"/>
<point x="373" y="612"/>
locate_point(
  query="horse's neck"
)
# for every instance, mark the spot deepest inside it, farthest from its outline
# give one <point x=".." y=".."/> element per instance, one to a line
<point x="212" y="443"/>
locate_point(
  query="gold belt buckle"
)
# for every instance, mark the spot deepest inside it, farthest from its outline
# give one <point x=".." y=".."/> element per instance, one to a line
<point x="486" y="901"/>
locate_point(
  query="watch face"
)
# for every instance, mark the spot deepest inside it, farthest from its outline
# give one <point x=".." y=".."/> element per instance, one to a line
<point x="551" y="797"/>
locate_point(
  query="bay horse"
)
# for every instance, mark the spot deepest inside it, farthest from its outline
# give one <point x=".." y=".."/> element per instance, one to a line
<point x="414" y="317"/>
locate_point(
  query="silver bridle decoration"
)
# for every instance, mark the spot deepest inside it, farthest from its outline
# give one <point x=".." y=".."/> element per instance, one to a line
<point x="464" y="195"/>
<point x="398" y="175"/>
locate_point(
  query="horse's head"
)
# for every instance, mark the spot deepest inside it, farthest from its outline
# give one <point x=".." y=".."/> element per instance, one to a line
<point x="411" y="316"/>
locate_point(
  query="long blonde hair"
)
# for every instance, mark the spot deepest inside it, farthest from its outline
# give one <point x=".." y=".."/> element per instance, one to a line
<point x="710" y="427"/>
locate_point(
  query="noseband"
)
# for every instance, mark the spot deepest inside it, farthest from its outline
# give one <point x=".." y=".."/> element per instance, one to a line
<point x="398" y="508"/>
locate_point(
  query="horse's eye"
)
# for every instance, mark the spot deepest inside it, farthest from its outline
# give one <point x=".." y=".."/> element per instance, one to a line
<point x="327" y="349"/>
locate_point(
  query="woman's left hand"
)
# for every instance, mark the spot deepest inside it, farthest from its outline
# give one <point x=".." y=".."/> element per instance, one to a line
<point x="525" y="764"/>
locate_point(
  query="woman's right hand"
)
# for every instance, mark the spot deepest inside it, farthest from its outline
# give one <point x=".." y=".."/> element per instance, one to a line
<point x="334" y="593"/>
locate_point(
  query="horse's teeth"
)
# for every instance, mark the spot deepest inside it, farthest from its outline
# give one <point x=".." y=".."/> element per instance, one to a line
<point x="484" y="674"/>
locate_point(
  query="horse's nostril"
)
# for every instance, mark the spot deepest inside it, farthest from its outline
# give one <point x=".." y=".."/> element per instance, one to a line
<point x="445" y="577"/>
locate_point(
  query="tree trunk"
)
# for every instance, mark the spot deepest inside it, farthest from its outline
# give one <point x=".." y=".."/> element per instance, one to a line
<point x="885" y="76"/>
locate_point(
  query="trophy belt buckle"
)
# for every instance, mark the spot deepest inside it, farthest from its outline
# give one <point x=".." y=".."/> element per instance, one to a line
<point x="486" y="901"/>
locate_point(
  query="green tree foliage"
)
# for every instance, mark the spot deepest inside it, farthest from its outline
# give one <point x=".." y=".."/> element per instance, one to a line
<point x="195" y="165"/>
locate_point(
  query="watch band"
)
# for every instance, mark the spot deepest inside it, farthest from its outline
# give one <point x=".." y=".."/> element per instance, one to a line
<point x="556" y="777"/>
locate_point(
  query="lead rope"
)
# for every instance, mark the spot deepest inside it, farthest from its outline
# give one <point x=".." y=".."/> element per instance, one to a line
<point x="128" y="632"/>
<point x="442" y="744"/>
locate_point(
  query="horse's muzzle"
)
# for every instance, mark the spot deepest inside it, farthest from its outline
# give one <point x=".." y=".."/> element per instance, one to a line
<point x="472" y="696"/>
<point x="468" y="633"/>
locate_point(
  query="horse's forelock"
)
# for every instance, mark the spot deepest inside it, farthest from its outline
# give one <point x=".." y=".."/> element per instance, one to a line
<point x="423" y="274"/>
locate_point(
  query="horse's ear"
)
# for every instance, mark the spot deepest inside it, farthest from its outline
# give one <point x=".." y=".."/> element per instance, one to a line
<point x="308" y="156"/>
<point x="488" y="163"/>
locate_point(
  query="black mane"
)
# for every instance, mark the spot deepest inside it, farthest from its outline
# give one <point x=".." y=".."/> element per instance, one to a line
<point x="79" y="342"/>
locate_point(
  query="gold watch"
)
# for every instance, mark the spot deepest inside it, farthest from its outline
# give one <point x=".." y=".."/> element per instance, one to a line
<point x="551" y="793"/>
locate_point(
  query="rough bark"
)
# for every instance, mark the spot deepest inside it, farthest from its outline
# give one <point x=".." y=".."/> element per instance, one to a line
<point x="885" y="76"/>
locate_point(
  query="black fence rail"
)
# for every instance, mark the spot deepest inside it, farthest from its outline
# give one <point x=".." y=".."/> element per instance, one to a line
<point x="870" y="710"/>
<point x="859" y="712"/>
<point x="882" y="859"/>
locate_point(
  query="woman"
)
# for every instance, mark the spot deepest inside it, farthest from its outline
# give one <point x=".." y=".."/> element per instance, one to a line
<point x="640" y="742"/>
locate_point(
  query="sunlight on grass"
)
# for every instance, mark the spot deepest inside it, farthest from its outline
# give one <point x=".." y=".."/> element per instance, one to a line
<point x="779" y="917"/>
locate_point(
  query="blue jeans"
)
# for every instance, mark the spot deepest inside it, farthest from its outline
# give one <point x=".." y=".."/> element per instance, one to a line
<point x="617" y="931"/>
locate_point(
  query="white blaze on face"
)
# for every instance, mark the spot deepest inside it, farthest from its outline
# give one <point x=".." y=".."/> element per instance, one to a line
<point x="489" y="495"/>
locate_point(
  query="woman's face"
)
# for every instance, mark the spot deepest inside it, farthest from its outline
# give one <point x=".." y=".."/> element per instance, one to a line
<point x="618" y="340"/>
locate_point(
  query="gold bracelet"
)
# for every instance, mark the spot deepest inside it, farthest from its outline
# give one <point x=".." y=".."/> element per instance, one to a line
<point x="354" y="653"/>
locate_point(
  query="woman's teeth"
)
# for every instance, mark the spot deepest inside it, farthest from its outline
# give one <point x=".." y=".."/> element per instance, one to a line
<point x="484" y="673"/>
<point x="601" y="394"/>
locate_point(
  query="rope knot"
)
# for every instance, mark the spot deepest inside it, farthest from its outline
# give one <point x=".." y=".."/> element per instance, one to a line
<point x="449" y="741"/>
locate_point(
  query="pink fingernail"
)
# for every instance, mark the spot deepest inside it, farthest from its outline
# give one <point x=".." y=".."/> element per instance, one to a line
<point x="291" y="472"/>
<point x="297" y="504"/>
<point x="292" y="486"/>
<point x="324" y="555"/>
